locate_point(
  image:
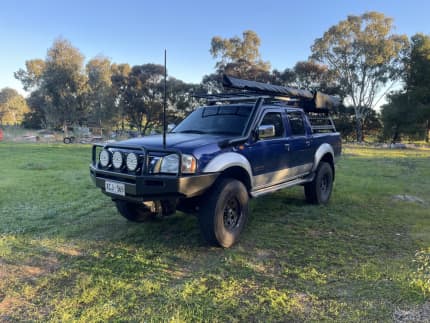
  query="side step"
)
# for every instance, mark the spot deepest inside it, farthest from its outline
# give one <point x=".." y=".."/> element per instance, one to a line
<point x="280" y="186"/>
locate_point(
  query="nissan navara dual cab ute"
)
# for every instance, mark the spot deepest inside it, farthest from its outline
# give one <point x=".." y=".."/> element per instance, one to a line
<point x="219" y="157"/>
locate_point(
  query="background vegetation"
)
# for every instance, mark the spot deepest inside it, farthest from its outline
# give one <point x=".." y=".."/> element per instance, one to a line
<point x="360" y="59"/>
<point x="66" y="254"/>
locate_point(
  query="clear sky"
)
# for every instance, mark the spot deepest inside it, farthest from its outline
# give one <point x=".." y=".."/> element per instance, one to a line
<point x="136" y="32"/>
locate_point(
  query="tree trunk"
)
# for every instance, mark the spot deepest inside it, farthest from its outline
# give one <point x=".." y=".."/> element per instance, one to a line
<point x="395" y="135"/>
<point x="147" y="123"/>
<point x="139" y="122"/>
<point x="359" y="129"/>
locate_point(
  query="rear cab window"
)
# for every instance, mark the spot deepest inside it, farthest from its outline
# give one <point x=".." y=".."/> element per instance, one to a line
<point x="297" y="124"/>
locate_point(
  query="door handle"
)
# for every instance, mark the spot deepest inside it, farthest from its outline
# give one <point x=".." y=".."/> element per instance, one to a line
<point x="308" y="142"/>
<point x="287" y="147"/>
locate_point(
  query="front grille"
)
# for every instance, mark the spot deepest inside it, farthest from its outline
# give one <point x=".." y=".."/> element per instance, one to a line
<point x="154" y="183"/>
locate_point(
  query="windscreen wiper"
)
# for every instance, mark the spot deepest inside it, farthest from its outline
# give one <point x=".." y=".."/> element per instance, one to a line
<point x="191" y="131"/>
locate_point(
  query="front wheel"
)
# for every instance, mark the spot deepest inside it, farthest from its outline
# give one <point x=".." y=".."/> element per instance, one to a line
<point x="135" y="212"/>
<point x="319" y="190"/>
<point x="223" y="212"/>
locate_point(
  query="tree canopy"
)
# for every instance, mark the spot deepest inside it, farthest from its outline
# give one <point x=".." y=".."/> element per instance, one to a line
<point x="418" y="78"/>
<point x="140" y="94"/>
<point x="101" y="93"/>
<point x="59" y="81"/>
<point x="408" y="111"/>
<point x="308" y="75"/>
<point x="99" y="96"/>
<point x="12" y="106"/>
<point x="240" y="57"/>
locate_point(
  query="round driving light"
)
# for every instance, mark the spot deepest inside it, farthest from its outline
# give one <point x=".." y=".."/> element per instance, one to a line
<point x="104" y="158"/>
<point x="131" y="161"/>
<point x="117" y="159"/>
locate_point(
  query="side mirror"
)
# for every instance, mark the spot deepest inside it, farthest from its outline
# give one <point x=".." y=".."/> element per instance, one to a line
<point x="266" y="131"/>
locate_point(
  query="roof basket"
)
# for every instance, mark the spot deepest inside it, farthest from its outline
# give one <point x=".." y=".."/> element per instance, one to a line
<point x="251" y="90"/>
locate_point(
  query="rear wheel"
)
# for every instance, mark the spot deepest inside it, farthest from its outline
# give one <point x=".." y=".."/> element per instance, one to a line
<point x="319" y="190"/>
<point x="223" y="213"/>
<point x="135" y="212"/>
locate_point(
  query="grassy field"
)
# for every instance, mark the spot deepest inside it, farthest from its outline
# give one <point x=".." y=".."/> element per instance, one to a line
<point x="67" y="255"/>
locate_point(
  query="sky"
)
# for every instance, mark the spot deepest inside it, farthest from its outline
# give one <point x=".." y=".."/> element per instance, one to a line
<point x="137" y="32"/>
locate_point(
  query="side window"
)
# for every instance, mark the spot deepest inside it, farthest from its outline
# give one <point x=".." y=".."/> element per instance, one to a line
<point x="274" y="118"/>
<point x="296" y="124"/>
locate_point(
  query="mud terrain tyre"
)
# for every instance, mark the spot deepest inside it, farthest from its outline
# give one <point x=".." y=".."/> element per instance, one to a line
<point x="223" y="212"/>
<point x="319" y="190"/>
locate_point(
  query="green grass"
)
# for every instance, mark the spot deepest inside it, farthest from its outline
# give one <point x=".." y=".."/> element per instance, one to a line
<point x="67" y="255"/>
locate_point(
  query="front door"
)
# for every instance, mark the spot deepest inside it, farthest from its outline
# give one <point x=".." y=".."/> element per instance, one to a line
<point x="268" y="156"/>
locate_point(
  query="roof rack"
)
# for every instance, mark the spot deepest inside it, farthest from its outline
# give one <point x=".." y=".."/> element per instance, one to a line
<point x="234" y="96"/>
<point x="251" y="90"/>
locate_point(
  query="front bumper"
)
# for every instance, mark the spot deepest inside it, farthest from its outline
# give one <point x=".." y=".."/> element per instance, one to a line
<point x="139" y="188"/>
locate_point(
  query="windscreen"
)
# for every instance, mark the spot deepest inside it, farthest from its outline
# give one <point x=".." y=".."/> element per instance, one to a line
<point x="216" y="119"/>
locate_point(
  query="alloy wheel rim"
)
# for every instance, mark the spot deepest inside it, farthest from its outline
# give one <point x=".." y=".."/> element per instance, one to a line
<point x="231" y="214"/>
<point x="325" y="185"/>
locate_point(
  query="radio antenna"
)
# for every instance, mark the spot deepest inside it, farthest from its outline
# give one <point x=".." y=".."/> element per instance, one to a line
<point x="165" y="98"/>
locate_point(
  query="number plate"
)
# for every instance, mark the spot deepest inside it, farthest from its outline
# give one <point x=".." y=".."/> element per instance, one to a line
<point x="115" y="188"/>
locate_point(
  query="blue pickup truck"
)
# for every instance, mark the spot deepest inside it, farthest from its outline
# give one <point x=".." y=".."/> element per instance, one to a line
<point x="239" y="146"/>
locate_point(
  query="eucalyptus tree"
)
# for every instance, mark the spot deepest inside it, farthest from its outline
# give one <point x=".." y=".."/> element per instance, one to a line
<point x="408" y="110"/>
<point x="139" y="93"/>
<point x="100" y="96"/>
<point x="418" y="79"/>
<point x="238" y="57"/>
<point x="365" y="57"/>
<point x="60" y="81"/>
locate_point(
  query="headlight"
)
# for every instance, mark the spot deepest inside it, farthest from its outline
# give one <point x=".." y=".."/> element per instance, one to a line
<point x="104" y="158"/>
<point x="170" y="164"/>
<point x="131" y="162"/>
<point x="188" y="164"/>
<point x="117" y="159"/>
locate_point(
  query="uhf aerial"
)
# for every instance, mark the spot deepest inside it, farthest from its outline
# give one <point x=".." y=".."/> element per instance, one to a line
<point x="165" y="99"/>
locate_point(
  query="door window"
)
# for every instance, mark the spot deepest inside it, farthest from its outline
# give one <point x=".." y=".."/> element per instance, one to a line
<point x="275" y="119"/>
<point x="296" y="124"/>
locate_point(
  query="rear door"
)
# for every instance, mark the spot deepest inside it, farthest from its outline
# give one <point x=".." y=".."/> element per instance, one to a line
<point x="299" y="143"/>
